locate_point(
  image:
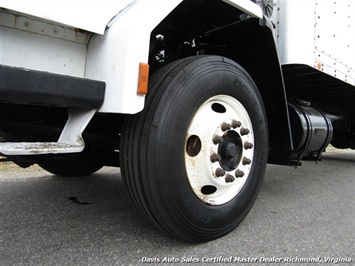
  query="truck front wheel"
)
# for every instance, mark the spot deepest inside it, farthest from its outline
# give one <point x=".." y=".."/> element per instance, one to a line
<point x="194" y="159"/>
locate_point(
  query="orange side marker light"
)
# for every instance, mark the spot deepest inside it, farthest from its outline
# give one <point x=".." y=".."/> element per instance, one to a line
<point x="143" y="79"/>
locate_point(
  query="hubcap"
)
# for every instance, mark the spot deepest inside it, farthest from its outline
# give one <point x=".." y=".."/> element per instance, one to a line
<point x="219" y="150"/>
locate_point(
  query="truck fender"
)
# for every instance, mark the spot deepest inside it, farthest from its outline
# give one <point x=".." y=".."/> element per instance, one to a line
<point x="115" y="56"/>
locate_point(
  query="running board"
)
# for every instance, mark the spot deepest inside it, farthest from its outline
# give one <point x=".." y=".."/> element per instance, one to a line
<point x="70" y="140"/>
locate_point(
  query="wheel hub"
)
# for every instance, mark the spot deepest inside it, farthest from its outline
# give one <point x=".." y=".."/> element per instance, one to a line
<point x="219" y="150"/>
<point x="230" y="150"/>
<point x="227" y="150"/>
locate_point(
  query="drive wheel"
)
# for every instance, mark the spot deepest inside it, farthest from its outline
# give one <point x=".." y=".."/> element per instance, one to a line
<point x="71" y="165"/>
<point x="194" y="159"/>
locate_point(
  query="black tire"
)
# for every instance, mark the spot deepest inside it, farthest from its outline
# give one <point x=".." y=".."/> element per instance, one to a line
<point x="158" y="150"/>
<point x="71" y="165"/>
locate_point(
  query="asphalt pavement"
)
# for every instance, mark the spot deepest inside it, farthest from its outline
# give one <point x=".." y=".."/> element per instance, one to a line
<point x="303" y="216"/>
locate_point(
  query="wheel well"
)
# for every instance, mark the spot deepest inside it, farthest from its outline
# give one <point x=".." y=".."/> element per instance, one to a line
<point x="195" y="28"/>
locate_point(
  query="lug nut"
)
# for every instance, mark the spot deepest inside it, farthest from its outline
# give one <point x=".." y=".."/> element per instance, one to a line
<point x="217" y="139"/>
<point x="229" y="178"/>
<point x="220" y="172"/>
<point x="236" y="123"/>
<point x="215" y="157"/>
<point x="239" y="173"/>
<point x="244" y="131"/>
<point x="246" y="161"/>
<point x="248" y="145"/>
<point x="225" y="126"/>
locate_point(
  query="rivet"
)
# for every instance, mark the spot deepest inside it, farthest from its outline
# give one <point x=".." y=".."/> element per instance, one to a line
<point x="79" y="36"/>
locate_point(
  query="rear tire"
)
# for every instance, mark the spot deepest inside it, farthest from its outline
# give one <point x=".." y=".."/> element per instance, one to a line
<point x="71" y="165"/>
<point x="194" y="159"/>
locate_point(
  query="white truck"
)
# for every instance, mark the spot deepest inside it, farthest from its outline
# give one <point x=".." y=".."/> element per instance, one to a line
<point x="190" y="98"/>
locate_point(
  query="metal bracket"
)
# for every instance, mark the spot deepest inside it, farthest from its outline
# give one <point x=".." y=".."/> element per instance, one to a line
<point x="70" y="140"/>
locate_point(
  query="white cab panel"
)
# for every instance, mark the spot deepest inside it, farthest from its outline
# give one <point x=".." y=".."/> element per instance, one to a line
<point x="27" y="42"/>
<point x="115" y="57"/>
<point x="90" y="15"/>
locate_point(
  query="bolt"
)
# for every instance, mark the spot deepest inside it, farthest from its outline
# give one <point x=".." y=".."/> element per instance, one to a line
<point x="246" y="161"/>
<point x="215" y="157"/>
<point x="26" y="24"/>
<point x="225" y="126"/>
<point x="217" y="139"/>
<point x="248" y="145"/>
<point x="55" y="31"/>
<point x="244" y="131"/>
<point x="229" y="178"/>
<point x="236" y="123"/>
<point x="239" y="173"/>
<point x="219" y="172"/>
